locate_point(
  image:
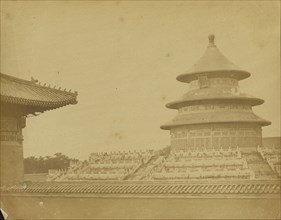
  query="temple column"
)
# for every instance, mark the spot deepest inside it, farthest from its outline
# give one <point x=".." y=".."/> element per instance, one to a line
<point x="11" y="149"/>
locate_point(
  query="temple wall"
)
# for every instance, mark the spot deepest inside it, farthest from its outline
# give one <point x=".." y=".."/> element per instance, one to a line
<point x="11" y="148"/>
<point x="216" y="107"/>
<point x="56" y="206"/>
<point x="213" y="82"/>
<point x="246" y="136"/>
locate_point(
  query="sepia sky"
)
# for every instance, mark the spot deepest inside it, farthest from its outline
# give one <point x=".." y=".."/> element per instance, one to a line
<point x="123" y="59"/>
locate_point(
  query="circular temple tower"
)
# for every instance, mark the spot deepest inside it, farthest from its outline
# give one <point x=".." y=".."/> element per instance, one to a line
<point x="213" y="113"/>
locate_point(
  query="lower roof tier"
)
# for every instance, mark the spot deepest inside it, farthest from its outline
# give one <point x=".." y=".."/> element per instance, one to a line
<point x="204" y="95"/>
<point x="215" y="117"/>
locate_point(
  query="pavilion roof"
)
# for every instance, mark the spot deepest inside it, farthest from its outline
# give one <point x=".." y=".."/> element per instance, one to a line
<point x="223" y="116"/>
<point x="214" y="93"/>
<point x="32" y="95"/>
<point x="214" y="63"/>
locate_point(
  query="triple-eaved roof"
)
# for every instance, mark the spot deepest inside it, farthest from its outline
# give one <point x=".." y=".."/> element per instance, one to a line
<point x="33" y="96"/>
<point x="213" y="64"/>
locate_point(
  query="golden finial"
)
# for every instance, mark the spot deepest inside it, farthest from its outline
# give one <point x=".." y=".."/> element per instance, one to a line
<point x="211" y="39"/>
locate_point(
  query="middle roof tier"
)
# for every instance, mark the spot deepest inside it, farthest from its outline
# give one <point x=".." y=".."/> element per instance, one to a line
<point x="211" y="94"/>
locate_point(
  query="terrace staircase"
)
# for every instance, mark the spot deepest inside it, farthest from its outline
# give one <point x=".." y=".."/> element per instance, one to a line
<point x="143" y="170"/>
<point x="260" y="167"/>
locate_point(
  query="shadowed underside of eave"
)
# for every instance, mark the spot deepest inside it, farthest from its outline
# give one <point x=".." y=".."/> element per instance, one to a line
<point x="214" y="118"/>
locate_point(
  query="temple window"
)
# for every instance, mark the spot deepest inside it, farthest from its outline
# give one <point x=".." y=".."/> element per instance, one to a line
<point x="241" y="133"/>
<point x="224" y="132"/>
<point x="203" y="81"/>
<point x="217" y="133"/>
<point x="209" y="107"/>
<point x="191" y="134"/>
<point x="248" y="133"/>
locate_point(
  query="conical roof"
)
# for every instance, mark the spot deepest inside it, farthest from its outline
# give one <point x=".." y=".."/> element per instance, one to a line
<point x="213" y="63"/>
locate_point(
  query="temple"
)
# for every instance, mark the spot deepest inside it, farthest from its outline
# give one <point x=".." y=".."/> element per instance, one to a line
<point x="19" y="100"/>
<point x="214" y="113"/>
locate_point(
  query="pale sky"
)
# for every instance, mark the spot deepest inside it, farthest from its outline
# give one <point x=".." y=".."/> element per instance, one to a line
<point x="123" y="59"/>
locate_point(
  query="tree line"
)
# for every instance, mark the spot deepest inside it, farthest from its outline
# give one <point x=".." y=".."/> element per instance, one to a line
<point x="43" y="164"/>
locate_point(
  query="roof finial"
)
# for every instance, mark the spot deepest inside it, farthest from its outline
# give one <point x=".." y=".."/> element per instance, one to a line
<point x="211" y="39"/>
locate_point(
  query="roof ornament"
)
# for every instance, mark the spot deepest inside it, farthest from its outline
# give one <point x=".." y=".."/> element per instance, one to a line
<point x="211" y="40"/>
<point x="34" y="80"/>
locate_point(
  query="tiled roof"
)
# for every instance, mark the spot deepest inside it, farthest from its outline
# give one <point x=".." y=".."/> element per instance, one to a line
<point x="213" y="62"/>
<point x="207" y="94"/>
<point x="215" y="117"/>
<point x="30" y="93"/>
<point x="230" y="187"/>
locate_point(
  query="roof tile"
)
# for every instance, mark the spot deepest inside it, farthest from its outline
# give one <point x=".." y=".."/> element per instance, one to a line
<point x="18" y="91"/>
<point x="148" y="188"/>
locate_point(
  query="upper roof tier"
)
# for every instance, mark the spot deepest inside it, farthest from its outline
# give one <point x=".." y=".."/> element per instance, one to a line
<point x="214" y="64"/>
<point x="35" y="97"/>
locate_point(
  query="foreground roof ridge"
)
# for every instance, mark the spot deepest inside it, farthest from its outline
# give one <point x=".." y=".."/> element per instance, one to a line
<point x="35" y="82"/>
<point x="34" y="96"/>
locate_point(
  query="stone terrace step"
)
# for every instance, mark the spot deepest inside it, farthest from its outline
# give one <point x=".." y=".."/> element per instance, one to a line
<point x="259" y="166"/>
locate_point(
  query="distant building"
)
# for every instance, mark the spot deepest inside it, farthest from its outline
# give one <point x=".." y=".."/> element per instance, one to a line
<point x="214" y="113"/>
<point x="19" y="99"/>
